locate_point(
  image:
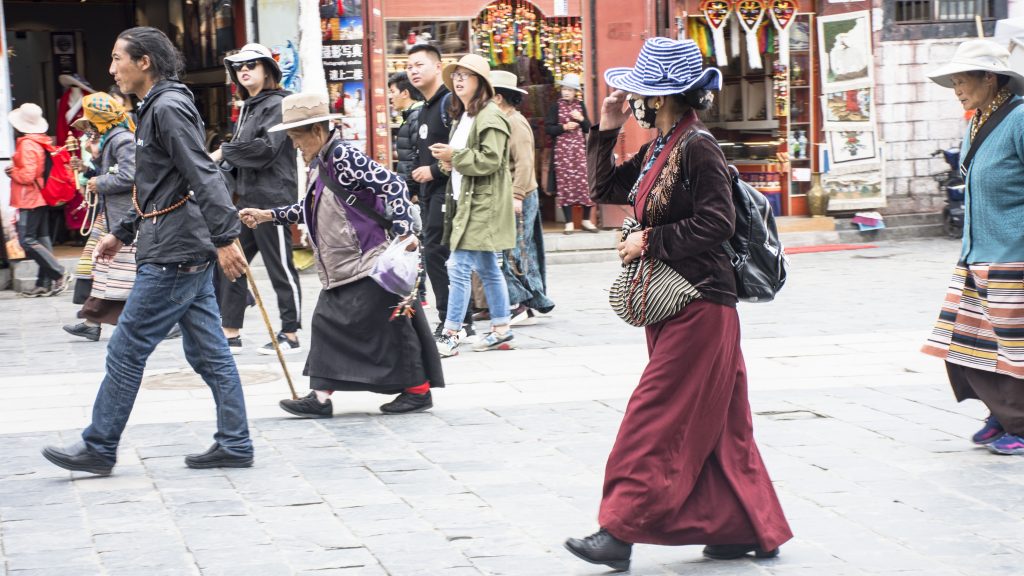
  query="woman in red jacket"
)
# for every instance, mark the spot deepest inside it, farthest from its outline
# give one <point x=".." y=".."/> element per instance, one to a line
<point x="26" y="174"/>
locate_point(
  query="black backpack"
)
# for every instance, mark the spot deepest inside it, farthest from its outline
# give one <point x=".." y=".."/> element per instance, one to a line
<point x="757" y="255"/>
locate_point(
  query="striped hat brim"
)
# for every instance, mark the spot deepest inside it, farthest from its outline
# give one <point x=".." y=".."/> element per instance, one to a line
<point x="629" y="80"/>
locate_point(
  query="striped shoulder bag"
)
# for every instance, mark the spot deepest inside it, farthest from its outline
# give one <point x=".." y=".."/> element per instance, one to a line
<point x="647" y="290"/>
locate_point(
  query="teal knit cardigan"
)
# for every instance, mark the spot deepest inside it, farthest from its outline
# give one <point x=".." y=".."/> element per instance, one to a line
<point x="994" y="202"/>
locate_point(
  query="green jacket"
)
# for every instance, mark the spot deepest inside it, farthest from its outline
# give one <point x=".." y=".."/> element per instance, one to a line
<point x="484" y="218"/>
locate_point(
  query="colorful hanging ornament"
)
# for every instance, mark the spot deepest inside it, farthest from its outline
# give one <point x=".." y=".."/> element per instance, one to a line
<point x="716" y="12"/>
<point x="783" y="12"/>
<point x="734" y="37"/>
<point x="751" y="13"/>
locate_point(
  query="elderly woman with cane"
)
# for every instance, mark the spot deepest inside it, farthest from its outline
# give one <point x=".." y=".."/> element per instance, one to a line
<point x="684" y="468"/>
<point x="977" y="332"/>
<point x="363" y="337"/>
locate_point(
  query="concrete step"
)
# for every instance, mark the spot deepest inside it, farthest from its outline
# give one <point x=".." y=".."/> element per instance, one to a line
<point x="897" y="220"/>
<point x="6" y="275"/>
<point x="895" y="233"/>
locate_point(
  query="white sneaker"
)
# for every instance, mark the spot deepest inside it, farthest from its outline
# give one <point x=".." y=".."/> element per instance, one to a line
<point x="569" y="228"/>
<point x="448" y="345"/>
<point x="522" y="316"/>
<point x="589" y="226"/>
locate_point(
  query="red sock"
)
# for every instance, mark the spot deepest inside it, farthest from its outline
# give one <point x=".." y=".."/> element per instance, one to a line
<point x="421" y="389"/>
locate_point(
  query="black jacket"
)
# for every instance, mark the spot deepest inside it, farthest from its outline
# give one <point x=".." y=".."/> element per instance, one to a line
<point x="435" y="125"/>
<point x="265" y="161"/>
<point x="171" y="162"/>
<point x="554" y="129"/>
<point x="407" y="144"/>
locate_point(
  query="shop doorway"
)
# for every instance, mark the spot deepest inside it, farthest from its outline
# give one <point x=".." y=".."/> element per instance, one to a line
<point x="517" y="37"/>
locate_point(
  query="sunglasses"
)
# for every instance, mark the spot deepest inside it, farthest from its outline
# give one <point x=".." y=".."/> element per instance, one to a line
<point x="247" y="65"/>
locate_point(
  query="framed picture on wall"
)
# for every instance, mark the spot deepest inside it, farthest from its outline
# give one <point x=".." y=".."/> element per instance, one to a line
<point x="851" y="147"/>
<point x="845" y="44"/>
<point x="852" y="109"/>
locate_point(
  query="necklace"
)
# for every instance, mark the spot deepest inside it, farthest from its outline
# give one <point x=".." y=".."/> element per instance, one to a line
<point x="983" y="115"/>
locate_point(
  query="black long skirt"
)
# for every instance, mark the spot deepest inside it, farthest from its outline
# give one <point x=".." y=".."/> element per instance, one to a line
<point x="355" y="345"/>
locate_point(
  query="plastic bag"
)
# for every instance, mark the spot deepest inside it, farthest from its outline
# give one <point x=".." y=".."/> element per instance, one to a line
<point x="397" y="268"/>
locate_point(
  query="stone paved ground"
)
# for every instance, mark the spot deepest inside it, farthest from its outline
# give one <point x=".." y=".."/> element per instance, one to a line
<point x="859" y="431"/>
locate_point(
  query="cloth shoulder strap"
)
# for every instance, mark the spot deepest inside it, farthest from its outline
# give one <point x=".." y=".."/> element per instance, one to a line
<point x="351" y="199"/>
<point x="987" y="129"/>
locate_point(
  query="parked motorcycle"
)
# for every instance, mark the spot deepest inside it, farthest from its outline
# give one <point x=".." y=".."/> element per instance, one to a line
<point x="953" y="184"/>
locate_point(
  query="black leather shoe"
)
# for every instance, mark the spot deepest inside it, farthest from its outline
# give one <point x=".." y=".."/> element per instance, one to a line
<point x="78" y="458"/>
<point x="308" y="407"/>
<point x="736" y="551"/>
<point x="602" y="548"/>
<point x="216" y="457"/>
<point x="84" y="330"/>
<point x="407" y="403"/>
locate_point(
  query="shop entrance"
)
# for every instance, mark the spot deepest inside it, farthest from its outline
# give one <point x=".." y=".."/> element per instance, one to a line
<point x="517" y="37"/>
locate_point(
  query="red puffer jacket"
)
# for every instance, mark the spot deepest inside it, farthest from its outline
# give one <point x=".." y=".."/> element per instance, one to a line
<point x="27" y="171"/>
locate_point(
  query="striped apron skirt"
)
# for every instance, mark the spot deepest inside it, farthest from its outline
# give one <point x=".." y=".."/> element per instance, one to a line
<point x="981" y="324"/>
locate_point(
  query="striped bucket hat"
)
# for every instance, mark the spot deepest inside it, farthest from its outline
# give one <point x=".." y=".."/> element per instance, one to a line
<point x="664" y="67"/>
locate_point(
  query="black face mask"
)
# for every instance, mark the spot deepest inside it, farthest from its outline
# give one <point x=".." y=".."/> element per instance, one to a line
<point x="645" y="115"/>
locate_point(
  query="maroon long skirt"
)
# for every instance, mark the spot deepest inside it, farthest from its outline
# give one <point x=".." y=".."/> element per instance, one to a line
<point x="685" y="468"/>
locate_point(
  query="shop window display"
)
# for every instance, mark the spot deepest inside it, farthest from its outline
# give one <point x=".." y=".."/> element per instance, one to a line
<point x="343" y="56"/>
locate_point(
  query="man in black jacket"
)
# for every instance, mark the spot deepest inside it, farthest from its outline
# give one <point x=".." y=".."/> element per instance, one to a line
<point x="424" y="69"/>
<point x="406" y="99"/>
<point x="182" y="222"/>
<point x="264" y="164"/>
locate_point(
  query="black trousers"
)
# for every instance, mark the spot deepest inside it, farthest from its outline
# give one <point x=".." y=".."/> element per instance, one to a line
<point x="34" y="236"/>
<point x="435" y="254"/>
<point x="274" y="243"/>
<point x="1003" y="395"/>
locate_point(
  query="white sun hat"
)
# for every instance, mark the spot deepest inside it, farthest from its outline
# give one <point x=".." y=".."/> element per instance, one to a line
<point x="982" y="56"/>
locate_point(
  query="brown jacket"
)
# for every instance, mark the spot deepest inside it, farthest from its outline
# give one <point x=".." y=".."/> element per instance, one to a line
<point x="697" y="218"/>
<point x="521" y="156"/>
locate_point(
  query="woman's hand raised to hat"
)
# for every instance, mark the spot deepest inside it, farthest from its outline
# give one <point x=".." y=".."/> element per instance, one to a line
<point x="614" y="111"/>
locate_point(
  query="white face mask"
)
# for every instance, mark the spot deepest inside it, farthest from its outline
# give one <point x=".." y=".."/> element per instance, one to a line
<point x="643" y="114"/>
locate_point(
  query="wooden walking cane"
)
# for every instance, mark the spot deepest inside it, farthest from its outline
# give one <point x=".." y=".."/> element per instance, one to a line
<point x="266" y="321"/>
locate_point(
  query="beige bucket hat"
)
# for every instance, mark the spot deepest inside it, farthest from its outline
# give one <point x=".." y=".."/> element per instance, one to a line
<point x="474" y="63"/>
<point x="506" y="81"/>
<point x="979" y="55"/>
<point x="302" y="109"/>
<point x="28" y="119"/>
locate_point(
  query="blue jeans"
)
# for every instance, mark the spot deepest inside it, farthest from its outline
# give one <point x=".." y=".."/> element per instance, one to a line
<point x="461" y="265"/>
<point x="162" y="296"/>
<point x="527" y="282"/>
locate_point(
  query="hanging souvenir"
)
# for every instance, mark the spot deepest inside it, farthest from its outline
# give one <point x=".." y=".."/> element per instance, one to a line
<point x="751" y="14"/>
<point x="716" y="12"/>
<point x="783" y="12"/>
<point x="734" y="36"/>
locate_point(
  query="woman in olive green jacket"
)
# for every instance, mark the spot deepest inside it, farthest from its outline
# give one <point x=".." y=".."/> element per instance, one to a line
<point x="479" y="213"/>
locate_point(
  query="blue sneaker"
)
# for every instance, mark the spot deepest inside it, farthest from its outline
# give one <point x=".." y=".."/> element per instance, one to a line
<point x="989" y="433"/>
<point x="1009" y="445"/>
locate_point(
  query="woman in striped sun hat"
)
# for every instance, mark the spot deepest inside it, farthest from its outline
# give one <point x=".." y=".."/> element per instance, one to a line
<point x="684" y="468"/>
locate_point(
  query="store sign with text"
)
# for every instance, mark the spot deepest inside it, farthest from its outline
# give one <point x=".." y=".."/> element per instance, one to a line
<point x="343" y="60"/>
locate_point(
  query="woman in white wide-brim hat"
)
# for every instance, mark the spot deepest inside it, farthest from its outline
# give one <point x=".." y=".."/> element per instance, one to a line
<point x="358" y="340"/>
<point x="26" y="174"/>
<point x="568" y="125"/>
<point x="685" y="468"/>
<point x="976" y="330"/>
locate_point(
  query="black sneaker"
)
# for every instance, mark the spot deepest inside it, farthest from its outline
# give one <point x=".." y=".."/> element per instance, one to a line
<point x="438" y="332"/>
<point x="83" y="330"/>
<point x="235" y="345"/>
<point x="407" y="403"/>
<point x="308" y="407"/>
<point x="287" y="346"/>
<point x="217" y="457"/>
<point x="467" y="334"/>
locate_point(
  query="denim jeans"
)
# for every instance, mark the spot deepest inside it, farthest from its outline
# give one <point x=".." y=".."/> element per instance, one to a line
<point x="527" y="282"/>
<point x="461" y="265"/>
<point x="162" y="296"/>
